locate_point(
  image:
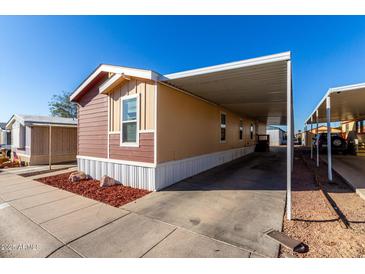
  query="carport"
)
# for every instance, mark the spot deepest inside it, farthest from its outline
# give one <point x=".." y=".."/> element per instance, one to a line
<point x="259" y="88"/>
<point x="346" y="103"/>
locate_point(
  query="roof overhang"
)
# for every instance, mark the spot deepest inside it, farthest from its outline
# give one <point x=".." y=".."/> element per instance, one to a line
<point x="103" y="70"/>
<point x="112" y="82"/>
<point x="31" y="121"/>
<point x="12" y="120"/>
<point x="347" y="104"/>
<point x="53" y="125"/>
<point x="255" y="88"/>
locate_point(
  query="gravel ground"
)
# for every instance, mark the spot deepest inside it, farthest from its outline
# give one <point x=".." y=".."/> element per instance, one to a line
<point x="116" y="195"/>
<point x="314" y="223"/>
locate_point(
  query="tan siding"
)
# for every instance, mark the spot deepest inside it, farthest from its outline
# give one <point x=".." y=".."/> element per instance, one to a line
<point x="134" y="86"/>
<point x="188" y="126"/>
<point x="93" y="124"/>
<point x="64" y="144"/>
<point x="143" y="153"/>
<point x="150" y="106"/>
<point x="141" y="90"/>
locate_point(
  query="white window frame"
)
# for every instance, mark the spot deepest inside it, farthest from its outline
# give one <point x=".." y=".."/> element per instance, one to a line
<point x="129" y="144"/>
<point x="240" y="132"/>
<point x="222" y="126"/>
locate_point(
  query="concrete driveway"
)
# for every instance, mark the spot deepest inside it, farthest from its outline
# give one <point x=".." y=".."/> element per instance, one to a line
<point x="220" y="213"/>
<point x="235" y="203"/>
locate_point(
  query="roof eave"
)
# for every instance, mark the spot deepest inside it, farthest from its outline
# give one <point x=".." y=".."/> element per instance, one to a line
<point x="12" y="120"/>
<point x="334" y="90"/>
<point x="139" y="73"/>
<point x="284" y="56"/>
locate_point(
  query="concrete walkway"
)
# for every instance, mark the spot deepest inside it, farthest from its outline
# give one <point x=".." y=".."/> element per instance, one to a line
<point x="36" y="168"/>
<point x="220" y="213"/>
<point x="352" y="169"/>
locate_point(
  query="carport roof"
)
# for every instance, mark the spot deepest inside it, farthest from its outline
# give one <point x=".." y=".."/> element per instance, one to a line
<point x="347" y="104"/>
<point x="256" y="87"/>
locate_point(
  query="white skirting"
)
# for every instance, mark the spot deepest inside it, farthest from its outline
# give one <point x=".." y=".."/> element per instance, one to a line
<point x="171" y="172"/>
<point x="161" y="176"/>
<point x="130" y="175"/>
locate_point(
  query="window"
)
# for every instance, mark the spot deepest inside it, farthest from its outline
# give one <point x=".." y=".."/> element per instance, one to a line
<point x="130" y="115"/>
<point x="241" y="130"/>
<point x="223" y="127"/>
<point x="251" y="131"/>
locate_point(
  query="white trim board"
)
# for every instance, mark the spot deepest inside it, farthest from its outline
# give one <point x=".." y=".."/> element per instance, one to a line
<point x="124" y="98"/>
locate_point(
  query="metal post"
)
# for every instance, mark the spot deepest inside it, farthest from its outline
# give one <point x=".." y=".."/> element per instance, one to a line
<point x="329" y="148"/>
<point x="50" y="148"/>
<point x="304" y="135"/>
<point x="317" y="139"/>
<point x="311" y="140"/>
<point x="288" y="141"/>
<point x="292" y="129"/>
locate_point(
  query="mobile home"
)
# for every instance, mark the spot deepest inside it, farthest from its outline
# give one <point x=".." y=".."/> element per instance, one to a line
<point x="277" y="135"/>
<point x="5" y="137"/>
<point x="34" y="139"/>
<point x="150" y="130"/>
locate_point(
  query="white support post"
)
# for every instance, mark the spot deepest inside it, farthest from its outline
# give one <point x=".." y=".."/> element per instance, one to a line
<point x="317" y="139"/>
<point x="292" y="129"/>
<point x="304" y="135"/>
<point x="311" y="140"/>
<point x="50" y="147"/>
<point x="289" y="141"/>
<point x="329" y="145"/>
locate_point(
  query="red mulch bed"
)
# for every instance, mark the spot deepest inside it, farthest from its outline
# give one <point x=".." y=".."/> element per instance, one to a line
<point x="9" y="165"/>
<point x="116" y="195"/>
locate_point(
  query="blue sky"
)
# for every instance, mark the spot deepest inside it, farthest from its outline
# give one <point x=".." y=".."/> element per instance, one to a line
<point x="42" y="56"/>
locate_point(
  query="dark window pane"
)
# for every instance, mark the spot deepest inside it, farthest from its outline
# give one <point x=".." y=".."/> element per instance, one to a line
<point x="240" y="134"/>
<point x="223" y="119"/>
<point x="130" y="109"/>
<point x="223" y="134"/>
<point x="129" y="132"/>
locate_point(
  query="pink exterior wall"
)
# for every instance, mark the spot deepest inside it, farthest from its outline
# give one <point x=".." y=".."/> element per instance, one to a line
<point x="93" y="132"/>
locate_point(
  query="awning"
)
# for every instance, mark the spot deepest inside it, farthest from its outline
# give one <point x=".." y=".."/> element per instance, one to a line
<point x="339" y="104"/>
<point x="347" y="104"/>
<point x="256" y="88"/>
<point x="259" y="88"/>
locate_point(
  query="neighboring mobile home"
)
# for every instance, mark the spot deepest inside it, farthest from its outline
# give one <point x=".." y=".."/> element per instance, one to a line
<point x="31" y="139"/>
<point x="277" y="135"/>
<point x="150" y="131"/>
<point x="5" y="136"/>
